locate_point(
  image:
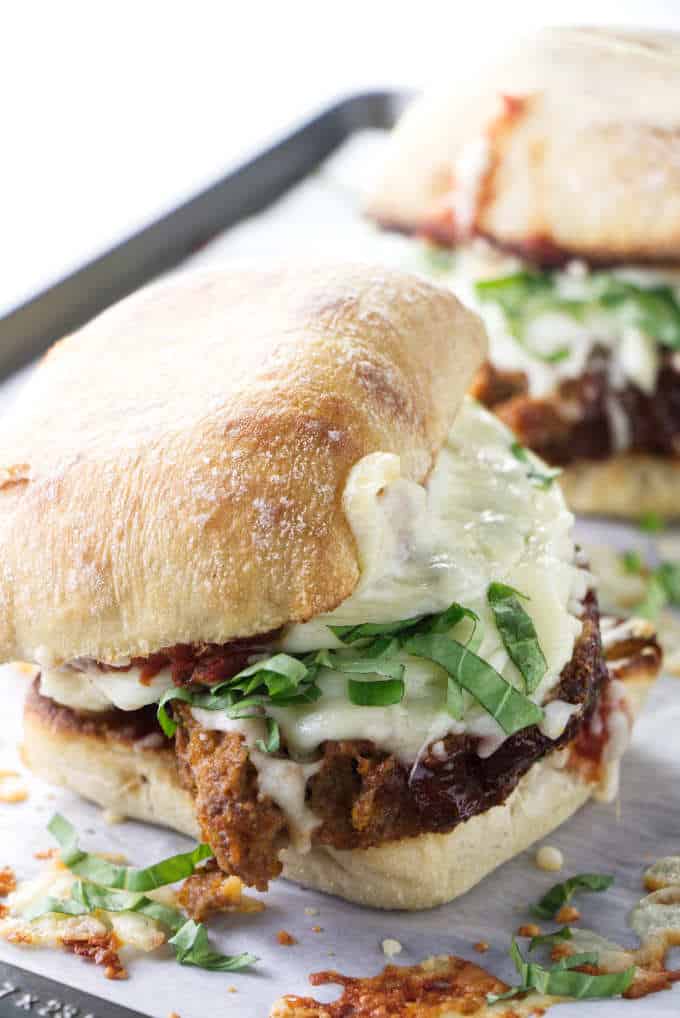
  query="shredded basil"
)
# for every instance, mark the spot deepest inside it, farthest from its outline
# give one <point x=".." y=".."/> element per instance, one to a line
<point x="543" y="478"/>
<point x="548" y="939"/>
<point x="382" y="693"/>
<point x="100" y="871"/>
<point x="438" y="259"/>
<point x="561" y="981"/>
<point x="632" y="561"/>
<point x="273" y="743"/>
<point x="350" y="634"/>
<point x="284" y="680"/>
<point x="510" y="708"/>
<point x="192" y="947"/>
<point x="525" y="296"/>
<point x="560" y="894"/>
<point x="652" y="523"/>
<point x="518" y="633"/>
<point x="663" y="583"/>
<point x="110" y="888"/>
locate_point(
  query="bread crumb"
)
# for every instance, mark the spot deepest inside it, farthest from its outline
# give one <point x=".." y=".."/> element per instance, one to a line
<point x="12" y="787"/>
<point x="549" y="858"/>
<point x="46" y="853"/>
<point x="391" y="947"/>
<point x="8" y="881"/>
<point x="285" y="938"/>
<point x="567" y="914"/>
<point x="311" y="911"/>
<point x="317" y="929"/>
<point x="109" y="816"/>
<point x="231" y="989"/>
<point x="529" y="930"/>
<point x="481" y="946"/>
<point x="173" y="1014"/>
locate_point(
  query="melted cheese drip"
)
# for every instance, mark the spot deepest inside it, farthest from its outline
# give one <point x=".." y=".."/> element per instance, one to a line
<point x="635" y="355"/>
<point x="478" y="519"/>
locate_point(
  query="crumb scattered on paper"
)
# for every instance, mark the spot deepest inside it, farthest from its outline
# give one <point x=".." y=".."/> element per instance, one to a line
<point x="8" y="881"/>
<point x="13" y="788"/>
<point x="549" y="858"/>
<point x="568" y="914"/>
<point x="481" y="946"/>
<point x="285" y="938"/>
<point x="529" y="930"/>
<point x="390" y="947"/>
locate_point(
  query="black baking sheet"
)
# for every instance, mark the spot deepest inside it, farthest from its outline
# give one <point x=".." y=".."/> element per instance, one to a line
<point x="29" y="329"/>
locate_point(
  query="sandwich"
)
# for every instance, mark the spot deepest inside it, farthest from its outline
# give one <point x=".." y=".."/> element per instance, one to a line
<point x="288" y="589"/>
<point x="555" y="181"/>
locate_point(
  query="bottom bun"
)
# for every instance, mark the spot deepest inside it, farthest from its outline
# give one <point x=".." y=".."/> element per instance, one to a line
<point x="139" y="778"/>
<point x="626" y="486"/>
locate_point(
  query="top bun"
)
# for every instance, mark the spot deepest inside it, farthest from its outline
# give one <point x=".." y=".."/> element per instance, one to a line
<point x="174" y="472"/>
<point x="570" y="147"/>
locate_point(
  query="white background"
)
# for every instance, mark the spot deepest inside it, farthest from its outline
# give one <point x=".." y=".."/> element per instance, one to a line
<point x="114" y="112"/>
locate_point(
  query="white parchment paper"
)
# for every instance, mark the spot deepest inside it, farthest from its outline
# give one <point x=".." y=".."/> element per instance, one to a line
<point x="320" y="219"/>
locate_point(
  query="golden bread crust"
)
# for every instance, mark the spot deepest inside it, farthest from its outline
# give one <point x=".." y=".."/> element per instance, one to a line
<point x="580" y="136"/>
<point x="174" y="472"/>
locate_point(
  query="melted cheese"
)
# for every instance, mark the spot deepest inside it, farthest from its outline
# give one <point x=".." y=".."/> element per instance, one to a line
<point x="89" y="688"/>
<point x="478" y="519"/>
<point x="635" y="355"/>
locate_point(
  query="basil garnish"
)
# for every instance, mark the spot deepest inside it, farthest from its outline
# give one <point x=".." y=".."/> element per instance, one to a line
<point x="518" y="633"/>
<point x="561" y="981"/>
<point x="652" y="523"/>
<point x="663" y="583"/>
<point x="93" y="867"/>
<point x="273" y="743"/>
<point x="281" y="680"/>
<point x="525" y="296"/>
<point x="560" y="894"/>
<point x="382" y="693"/>
<point x="542" y="478"/>
<point x="284" y="680"/>
<point x="548" y="939"/>
<point x="110" y="888"/>
<point x="192" y="947"/>
<point x="350" y="634"/>
<point x="510" y="708"/>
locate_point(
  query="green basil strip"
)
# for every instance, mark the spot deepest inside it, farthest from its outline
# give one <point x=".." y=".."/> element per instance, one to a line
<point x="524" y="296"/>
<point x="632" y="561"/>
<point x="560" y="894"/>
<point x="455" y="705"/>
<point x="548" y="939"/>
<point x="100" y="871"/>
<point x="350" y="634"/>
<point x="652" y="523"/>
<point x="189" y="940"/>
<point x="192" y="947"/>
<point x="371" y="665"/>
<point x="273" y="743"/>
<point x="562" y="981"/>
<point x="518" y="634"/>
<point x="542" y="478"/>
<point x="87" y="897"/>
<point x="511" y="709"/>
<point x="669" y="575"/>
<point x="382" y="693"/>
